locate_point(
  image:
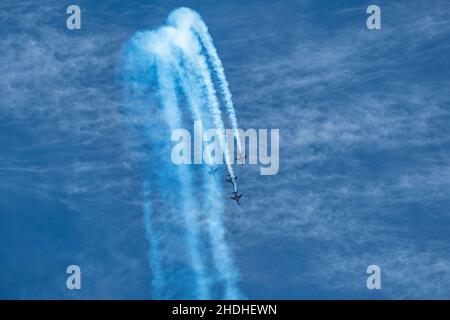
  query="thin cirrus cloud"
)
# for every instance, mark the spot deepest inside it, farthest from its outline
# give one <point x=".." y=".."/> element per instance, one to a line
<point x="360" y="124"/>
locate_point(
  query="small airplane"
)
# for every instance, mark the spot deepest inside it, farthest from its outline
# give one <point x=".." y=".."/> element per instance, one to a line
<point x="212" y="171"/>
<point x="240" y="158"/>
<point x="236" y="197"/>
<point x="231" y="179"/>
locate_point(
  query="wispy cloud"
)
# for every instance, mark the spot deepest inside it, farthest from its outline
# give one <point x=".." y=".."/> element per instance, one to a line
<point x="360" y="125"/>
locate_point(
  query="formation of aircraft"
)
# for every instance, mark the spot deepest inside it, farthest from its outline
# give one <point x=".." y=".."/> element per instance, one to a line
<point x="231" y="179"/>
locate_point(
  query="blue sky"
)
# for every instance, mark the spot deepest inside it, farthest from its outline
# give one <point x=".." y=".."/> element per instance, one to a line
<point x="363" y="117"/>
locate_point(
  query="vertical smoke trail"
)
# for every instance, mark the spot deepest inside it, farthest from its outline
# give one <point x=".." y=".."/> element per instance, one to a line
<point x="199" y="27"/>
<point x="160" y="68"/>
<point x="172" y="112"/>
<point x="215" y="111"/>
<point x="223" y="83"/>
<point x="221" y="254"/>
<point x="184" y="19"/>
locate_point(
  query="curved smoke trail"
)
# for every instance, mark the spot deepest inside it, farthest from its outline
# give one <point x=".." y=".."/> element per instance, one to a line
<point x="200" y="27"/>
<point x="168" y="84"/>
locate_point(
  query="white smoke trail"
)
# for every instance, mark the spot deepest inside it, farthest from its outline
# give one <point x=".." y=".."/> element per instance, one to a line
<point x="172" y="114"/>
<point x="192" y="20"/>
<point x="215" y="111"/>
<point x="184" y="19"/>
<point x="178" y="56"/>
<point x="216" y="233"/>
<point x="164" y="58"/>
<point x="223" y="83"/>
